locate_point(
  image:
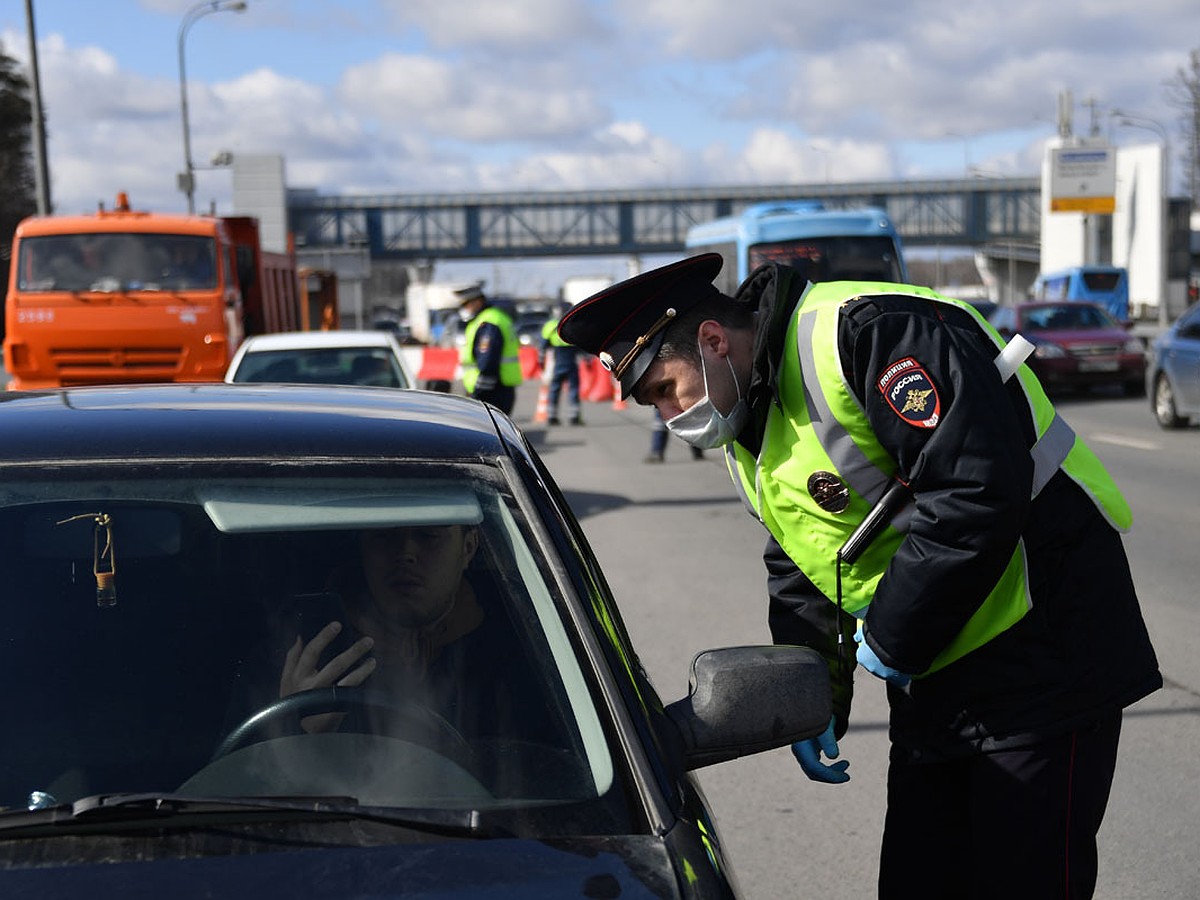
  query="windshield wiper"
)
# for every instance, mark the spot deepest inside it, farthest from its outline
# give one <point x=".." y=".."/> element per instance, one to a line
<point x="96" y="812"/>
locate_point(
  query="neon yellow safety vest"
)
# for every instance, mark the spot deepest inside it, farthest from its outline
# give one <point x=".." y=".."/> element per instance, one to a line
<point x="510" y="360"/>
<point x="550" y="334"/>
<point x="834" y="435"/>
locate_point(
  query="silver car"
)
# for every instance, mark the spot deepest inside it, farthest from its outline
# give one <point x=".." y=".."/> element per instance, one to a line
<point x="1173" y="372"/>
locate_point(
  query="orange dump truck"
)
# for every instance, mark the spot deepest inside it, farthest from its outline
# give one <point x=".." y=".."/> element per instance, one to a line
<point x="126" y="296"/>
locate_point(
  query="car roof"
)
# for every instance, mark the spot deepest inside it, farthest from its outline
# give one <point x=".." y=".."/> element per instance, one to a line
<point x="247" y="422"/>
<point x="319" y="340"/>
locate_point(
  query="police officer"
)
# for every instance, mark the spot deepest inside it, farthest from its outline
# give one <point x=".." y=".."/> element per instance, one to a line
<point x="994" y="596"/>
<point x="565" y="360"/>
<point x="490" y="356"/>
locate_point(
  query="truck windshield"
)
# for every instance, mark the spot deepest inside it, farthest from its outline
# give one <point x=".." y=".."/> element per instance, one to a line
<point x="116" y="262"/>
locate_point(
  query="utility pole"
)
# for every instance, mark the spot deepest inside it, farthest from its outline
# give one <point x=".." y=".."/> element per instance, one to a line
<point x="41" y="174"/>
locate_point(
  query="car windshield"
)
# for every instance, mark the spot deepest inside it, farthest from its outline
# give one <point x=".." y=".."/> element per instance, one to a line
<point x="1067" y="316"/>
<point x="159" y="626"/>
<point x="325" y="365"/>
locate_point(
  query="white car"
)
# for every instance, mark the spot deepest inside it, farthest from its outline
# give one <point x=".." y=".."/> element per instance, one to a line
<point x="322" y="357"/>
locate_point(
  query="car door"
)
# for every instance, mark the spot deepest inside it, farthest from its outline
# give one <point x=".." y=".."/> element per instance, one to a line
<point x="1182" y="360"/>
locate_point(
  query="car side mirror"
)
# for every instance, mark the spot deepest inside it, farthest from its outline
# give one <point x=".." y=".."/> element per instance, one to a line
<point x="744" y="700"/>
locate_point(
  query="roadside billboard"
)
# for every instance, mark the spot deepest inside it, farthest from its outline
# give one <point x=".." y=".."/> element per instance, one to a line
<point x="1083" y="179"/>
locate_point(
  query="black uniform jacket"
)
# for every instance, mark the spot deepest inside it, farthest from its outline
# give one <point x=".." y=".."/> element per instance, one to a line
<point x="1081" y="651"/>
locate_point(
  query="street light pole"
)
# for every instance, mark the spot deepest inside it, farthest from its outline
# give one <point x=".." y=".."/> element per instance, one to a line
<point x="187" y="179"/>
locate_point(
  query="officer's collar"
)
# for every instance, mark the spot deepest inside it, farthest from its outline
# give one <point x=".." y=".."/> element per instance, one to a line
<point x="774" y="291"/>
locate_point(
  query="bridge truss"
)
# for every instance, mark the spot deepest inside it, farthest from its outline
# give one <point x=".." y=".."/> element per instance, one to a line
<point x="428" y="227"/>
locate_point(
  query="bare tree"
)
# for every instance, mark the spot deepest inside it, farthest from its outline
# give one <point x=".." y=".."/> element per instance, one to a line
<point x="17" y="198"/>
<point x="1183" y="90"/>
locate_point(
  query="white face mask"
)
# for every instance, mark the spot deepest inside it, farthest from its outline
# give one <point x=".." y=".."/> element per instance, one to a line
<point x="703" y="425"/>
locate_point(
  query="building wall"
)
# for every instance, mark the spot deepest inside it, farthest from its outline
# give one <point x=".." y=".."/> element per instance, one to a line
<point x="1131" y="237"/>
<point x="260" y="190"/>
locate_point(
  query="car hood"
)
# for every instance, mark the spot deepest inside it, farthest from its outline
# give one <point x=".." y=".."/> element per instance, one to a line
<point x="628" y="867"/>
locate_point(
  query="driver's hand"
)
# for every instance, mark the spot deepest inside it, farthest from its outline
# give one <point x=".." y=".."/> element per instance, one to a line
<point x="302" y="670"/>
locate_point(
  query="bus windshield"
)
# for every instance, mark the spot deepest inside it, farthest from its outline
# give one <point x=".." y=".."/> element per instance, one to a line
<point x="109" y="262"/>
<point x="824" y="244"/>
<point x="833" y="258"/>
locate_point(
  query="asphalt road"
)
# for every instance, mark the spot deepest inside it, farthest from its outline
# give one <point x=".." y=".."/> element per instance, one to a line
<point x="684" y="560"/>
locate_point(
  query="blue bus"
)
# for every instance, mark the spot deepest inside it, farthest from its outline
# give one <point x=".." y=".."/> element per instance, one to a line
<point x="1106" y="285"/>
<point x="825" y="244"/>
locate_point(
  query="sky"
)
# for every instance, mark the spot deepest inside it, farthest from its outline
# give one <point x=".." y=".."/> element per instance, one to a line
<point x="396" y="96"/>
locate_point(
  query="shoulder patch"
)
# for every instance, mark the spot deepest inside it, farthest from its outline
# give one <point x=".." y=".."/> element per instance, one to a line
<point x="911" y="393"/>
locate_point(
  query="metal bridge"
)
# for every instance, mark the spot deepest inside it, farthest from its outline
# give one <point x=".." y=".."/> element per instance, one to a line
<point x="428" y="227"/>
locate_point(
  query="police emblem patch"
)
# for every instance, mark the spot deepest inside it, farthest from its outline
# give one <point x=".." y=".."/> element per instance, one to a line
<point x="911" y="393"/>
<point x="829" y="491"/>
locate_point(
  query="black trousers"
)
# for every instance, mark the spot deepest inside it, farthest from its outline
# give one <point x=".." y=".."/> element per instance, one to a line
<point x="1011" y="824"/>
<point x="503" y="398"/>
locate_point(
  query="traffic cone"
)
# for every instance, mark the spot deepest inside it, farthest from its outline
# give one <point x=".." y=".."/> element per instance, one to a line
<point x="542" y="413"/>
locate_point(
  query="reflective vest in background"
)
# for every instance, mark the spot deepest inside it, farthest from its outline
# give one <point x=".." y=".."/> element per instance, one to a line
<point x="510" y="359"/>
<point x="550" y="334"/>
<point x="835" y="437"/>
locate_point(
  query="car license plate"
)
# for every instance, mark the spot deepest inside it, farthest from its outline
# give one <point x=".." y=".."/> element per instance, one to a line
<point x="1099" y="365"/>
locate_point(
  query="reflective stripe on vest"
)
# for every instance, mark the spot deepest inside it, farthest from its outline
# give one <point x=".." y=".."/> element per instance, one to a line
<point x="823" y="427"/>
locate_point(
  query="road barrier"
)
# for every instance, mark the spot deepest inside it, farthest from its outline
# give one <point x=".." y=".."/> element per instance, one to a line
<point x="438" y="368"/>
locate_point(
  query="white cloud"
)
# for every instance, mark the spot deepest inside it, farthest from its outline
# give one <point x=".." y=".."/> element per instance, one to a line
<point x="470" y="104"/>
<point x="465" y="95"/>
<point x="508" y="26"/>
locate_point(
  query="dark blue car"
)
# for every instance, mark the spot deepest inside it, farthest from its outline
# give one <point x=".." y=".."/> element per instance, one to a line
<point x="287" y="641"/>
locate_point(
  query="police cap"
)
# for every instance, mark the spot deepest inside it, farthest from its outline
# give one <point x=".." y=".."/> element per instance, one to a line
<point x="624" y="324"/>
<point x="469" y="293"/>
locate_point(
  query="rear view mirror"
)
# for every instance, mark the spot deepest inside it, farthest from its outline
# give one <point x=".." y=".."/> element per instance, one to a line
<point x="744" y="700"/>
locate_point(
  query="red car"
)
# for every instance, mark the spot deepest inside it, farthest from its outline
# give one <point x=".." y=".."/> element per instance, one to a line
<point x="1077" y="345"/>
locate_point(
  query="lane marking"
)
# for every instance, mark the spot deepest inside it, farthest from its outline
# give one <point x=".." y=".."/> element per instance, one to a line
<point x="1122" y="441"/>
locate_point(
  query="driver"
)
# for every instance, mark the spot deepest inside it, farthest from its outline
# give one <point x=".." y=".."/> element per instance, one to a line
<point x="413" y="615"/>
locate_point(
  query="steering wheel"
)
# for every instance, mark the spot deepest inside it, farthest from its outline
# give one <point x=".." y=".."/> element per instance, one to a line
<point x="406" y="719"/>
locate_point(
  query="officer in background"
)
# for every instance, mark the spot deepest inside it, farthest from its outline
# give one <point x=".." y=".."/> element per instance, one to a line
<point x="490" y="356"/>
<point x="995" y="598"/>
<point x="565" y="359"/>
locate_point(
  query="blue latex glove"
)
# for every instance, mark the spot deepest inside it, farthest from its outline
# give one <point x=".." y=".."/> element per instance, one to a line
<point x="808" y="754"/>
<point x="873" y="664"/>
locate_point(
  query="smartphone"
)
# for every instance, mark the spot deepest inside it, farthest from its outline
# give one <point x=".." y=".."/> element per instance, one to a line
<point x="312" y="612"/>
